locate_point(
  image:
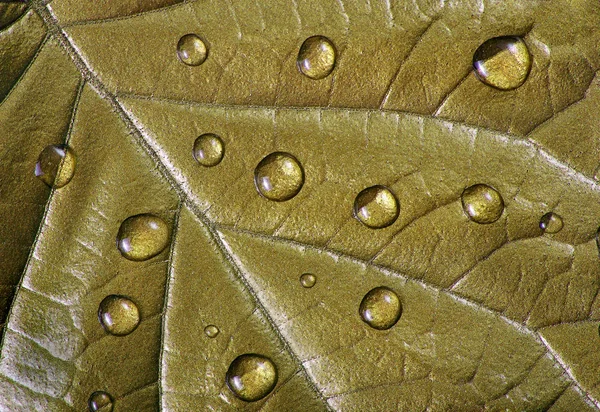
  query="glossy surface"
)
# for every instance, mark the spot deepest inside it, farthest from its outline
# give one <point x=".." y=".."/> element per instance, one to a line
<point x="100" y="402"/>
<point x="316" y="58"/>
<point x="308" y="280"/>
<point x="118" y="315"/>
<point x="502" y="62"/>
<point x="381" y="308"/>
<point x="141" y="237"/>
<point x="208" y="150"/>
<point x="482" y="203"/>
<point x="211" y="331"/>
<point x="56" y="165"/>
<point x="376" y="207"/>
<point x="192" y="50"/>
<point x="551" y="223"/>
<point x="279" y="176"/>
<point x="251" y="377"/>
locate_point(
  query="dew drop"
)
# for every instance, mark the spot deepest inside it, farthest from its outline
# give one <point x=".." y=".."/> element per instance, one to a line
<point x="211" y="331"/>
<point x="502" y="62"/>
<point x="482" y="203"/>
<point x="192" y="50"/>
<point x="208" y="150"/>
<point x="118" y="315"/>
<point x="316" y="58"/>
<point x="551" y="223"/>
<point x="380" y="308"/>
<point x="56" y="165"/>
<point x="376" y="207"/>
<point x="251" y="377"/>
<point x="308" y="280"/>
<point x="142" y="237"/>
<point x="100" y="401"/>
<point x="279" y="176"/>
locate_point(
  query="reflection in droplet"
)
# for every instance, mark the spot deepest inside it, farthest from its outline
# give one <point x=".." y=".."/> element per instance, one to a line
<point x="380" y="308"/>
<point x="316" y="58"/>
<point x="142" y="237"/>
<point x="482" y="203"/>
<point x="208" y="149"/>
<point x="279" y="176"/>
<point x="211" y="331"/>
<point x="56" y="165"/>
<point x="100" y="401"/>
<point x="376" y="207"/>
<point x="502" y="62"/>
<point x="251" y="377"/>
<point x="192" y="50"/>
<point x="308" y="280"/>
<point x="118" y="315"/>
<point x="551" y="223"/>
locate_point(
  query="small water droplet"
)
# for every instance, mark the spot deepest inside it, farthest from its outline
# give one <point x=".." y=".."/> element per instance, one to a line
<point x="211" y="331"/>
<point x="56" y="165"/>
<point x="482" y="203"/>
<point x="316" y="58"/>
<point x="502" y="62"/>
<point x="192" y="50"/>
<point x="380" y="308"/>
<point x="308" y="280"/>
<point x="142" y="237"/>
<point x="551" y="223"/>
<point x="376" y="207"/>
<point x="100" y="401"/>
<point x="251" y="377"/>
<point x="209" y="149"/>
<point x="279" y="176"/>
<point x="118" y="315"/>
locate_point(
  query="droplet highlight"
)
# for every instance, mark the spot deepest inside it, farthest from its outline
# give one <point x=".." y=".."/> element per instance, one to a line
<point x="251" y="377"/>
<point x="208" y="150"/>
<point x="118" y="315"/>
<point x="308" y="280"/>
<point x="482" y="203"/>
<point x="192" y="50"/>
<point x="211" y="331"/>
<point x="279" y="176"/>
<point x="100" y="401"/>
<point x="56" y="165"/>
<point x="380" y="308"/>
<point x="142" y="237"/>
<point x="551" y="223"/>
<point x="376" y="207"/>
<point x="502" y="62"/>
<point x="316" y="58"/>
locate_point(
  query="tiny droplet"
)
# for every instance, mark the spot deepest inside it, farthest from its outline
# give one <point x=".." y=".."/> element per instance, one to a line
<point x="308" y="280"/>
<point x="380" y="308"/>
<point x="142" y="237"/>
<point x="211" y="331"/>
<point x="118" y="315"/>
<point x="56" y="165"/>
<point x="482" y="203"/>
<point x="502" y="62"/>
<point x="251" y="377"/>
<point x="100" y="401"/>
<point x="316" y="58"/>
<point x="192" y="50"/>
<point x="551" y="223"/>
<point x="208" y="149"/>
<point x="376" y="207"/>
<point x="279" y="176"/>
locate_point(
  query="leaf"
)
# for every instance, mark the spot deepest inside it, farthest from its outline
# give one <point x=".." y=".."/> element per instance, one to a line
<point x="499" y="316"/>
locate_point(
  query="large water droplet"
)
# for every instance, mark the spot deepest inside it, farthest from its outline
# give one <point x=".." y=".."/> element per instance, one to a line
<point x="56" y="165"/>
<point x="251" y="377"/>
<point x="211" y="331"/>
<point x="192" y="50"/>
<point x="482" y="203"/>
<point x="142" y="237"/>
<point x="118" y="315"/>
<point x="209" y="150"/>
<point x="316" y="58"/>
<point x="551" y="223"/>
<point x="279" y="176"/>
<point x="100" y="401"/>
<point x="308" y="280"/>
<point x="376" y="207"/>
<point x="380" y="308"/>
<point x="502" y="62"/>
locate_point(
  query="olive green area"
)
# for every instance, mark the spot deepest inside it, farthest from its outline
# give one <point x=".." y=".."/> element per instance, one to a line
<point x="496" y="314"/>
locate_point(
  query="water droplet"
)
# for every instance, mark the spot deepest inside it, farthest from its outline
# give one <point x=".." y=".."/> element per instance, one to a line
<point x="118" y="315"/>
<point x="316" y="58"/>
<point x="56" y="165"/>
<point x="482" y="203"/>
<point x="551" y="223"/>
<point x="192" y="50"/>
<point x="251" y="377"/>
<point x="502" y="62"/>
<point x="100" y="401"/>
<point x="142" y="237"/>
<point x="211" y="331"/>
<point x="209" y="150"/>
<point x="376" y="207"/>
<point x="308" y="280"/>
<point x="279" y="176"/>
<point x="380" y="308"/>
